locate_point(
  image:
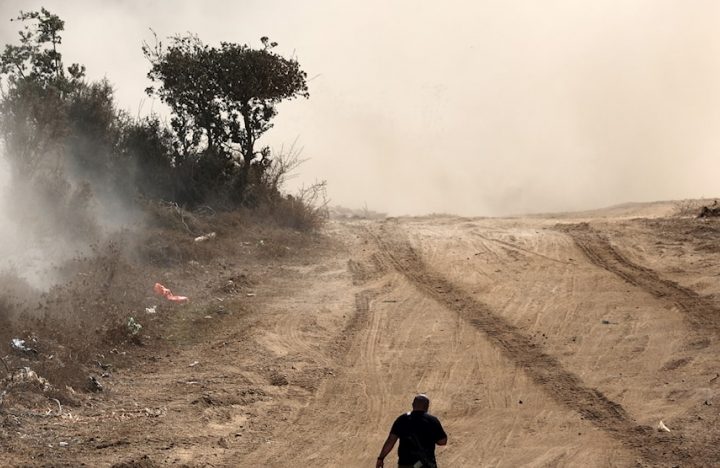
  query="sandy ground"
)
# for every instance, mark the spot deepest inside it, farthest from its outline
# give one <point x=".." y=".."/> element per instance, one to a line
<point x="542" y="341"/>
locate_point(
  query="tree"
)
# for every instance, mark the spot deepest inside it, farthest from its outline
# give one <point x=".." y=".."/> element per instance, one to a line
<point x="59" y="132"/>
<point x="36" y="89"/>
<point x="223" y="99"/>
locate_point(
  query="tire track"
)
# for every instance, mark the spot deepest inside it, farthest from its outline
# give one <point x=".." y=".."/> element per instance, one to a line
<point x="518" y="248"/>
<point x="545" y="370"/>
<point x="700" y="312"/>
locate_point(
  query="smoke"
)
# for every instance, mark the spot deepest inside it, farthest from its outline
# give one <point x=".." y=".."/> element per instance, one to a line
<point x="21" y="252"/>
<point x="43" y="225"/>
<point x="478" y="108"/>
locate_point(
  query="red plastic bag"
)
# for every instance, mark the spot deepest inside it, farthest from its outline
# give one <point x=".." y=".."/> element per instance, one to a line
<point x="161" y="290"/>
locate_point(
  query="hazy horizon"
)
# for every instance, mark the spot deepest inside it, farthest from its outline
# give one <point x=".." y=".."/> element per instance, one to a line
<point x="472" y="108"/>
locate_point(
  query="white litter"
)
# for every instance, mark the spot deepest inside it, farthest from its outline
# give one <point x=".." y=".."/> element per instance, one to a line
<point x="661" y="427"/>
<point x="19" y="344"/>
<point x="151" y="310"/>
<point x="26" y="374"/>
<point x="205" y="237"/>
<point x="194" y="363"/>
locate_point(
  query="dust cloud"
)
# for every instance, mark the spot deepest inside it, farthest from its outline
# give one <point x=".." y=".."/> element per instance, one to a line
<point x="23" y="254"/>
<point x="475" y="108"/>
<point x="35" y="242"/>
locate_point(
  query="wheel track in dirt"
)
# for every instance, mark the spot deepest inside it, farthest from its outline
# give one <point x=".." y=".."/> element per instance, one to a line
<point x="545" y="370"/>
<point x="700" y="312"/>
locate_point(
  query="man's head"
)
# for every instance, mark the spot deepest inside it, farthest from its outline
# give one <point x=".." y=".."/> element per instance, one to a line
<point x="421" y="403"/>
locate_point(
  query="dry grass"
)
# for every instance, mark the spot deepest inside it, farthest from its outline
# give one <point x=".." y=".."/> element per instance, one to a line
<point x="80" y="324"/>
<point x="306" y="211"/>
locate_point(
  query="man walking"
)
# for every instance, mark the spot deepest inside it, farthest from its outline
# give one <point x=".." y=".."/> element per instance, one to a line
<point x="418" y="433"/>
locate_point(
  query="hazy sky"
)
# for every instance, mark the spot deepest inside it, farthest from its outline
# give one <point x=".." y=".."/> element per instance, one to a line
<point x="475" y="108"/>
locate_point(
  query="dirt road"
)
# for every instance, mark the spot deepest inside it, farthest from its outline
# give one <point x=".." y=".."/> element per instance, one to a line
<point x="540" y="344"/>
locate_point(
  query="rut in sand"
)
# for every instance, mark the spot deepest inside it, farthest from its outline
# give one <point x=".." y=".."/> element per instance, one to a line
<point x="545" y="370"/>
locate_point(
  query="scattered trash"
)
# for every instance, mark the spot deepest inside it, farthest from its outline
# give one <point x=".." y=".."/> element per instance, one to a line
<point x="94" y="384"/>
<point x="27" y="375"/>
<point x="208" y="316"/>
<point x="63" y="444"/>
<point x="103" y="366"/>
<point x="19" y="345"/>
<point x="661" y="427"/>
<point x="194" y="363"/>
<point x="133" y="327"/>
<point x="151" y="310"/>
<point x="250" y="294"/>
<point x="167" y="294"/>
<point x="208" y="236"/>
<point x="262" y="242"/>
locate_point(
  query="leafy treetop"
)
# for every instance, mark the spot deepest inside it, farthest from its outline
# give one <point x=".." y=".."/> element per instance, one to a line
<point x="223" y="98"/>
<point x="36" y="57"/>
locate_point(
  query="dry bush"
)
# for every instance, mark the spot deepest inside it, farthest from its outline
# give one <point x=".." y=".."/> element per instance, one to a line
<point x="282" y="168"/>
<point x="688" y="208"/>
<point x="171" y="216"/>
<point x="305" y="211"/>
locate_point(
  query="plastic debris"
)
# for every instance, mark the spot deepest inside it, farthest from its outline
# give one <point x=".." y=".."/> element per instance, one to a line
<point x="161" y="290"/>
<point x="26" y="374"/>
<point x="63" y="444"/>
<point x="661" y="427"/>
<point x="194" y="363"/>
<point x="133" y="327"/>
<point x="151" y="310"/>
<point x="19" y="345"/>
<point x="208" y="236"/>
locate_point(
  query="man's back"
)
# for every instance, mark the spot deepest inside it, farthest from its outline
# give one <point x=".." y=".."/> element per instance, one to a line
<point x="418" y="432"/>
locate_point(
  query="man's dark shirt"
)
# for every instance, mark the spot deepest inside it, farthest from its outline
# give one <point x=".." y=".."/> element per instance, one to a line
<point x="418" y="432"/>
